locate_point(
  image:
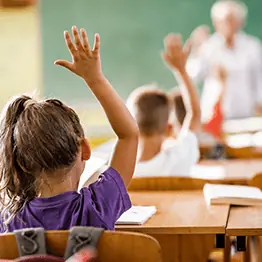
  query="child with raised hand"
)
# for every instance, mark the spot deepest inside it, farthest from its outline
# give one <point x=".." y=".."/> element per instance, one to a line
<point x="43" y="153"/>
<point x="151" y="109"/>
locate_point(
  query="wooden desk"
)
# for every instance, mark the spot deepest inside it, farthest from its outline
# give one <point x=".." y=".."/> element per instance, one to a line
<point x="237" y="171"/>
<point x="184" y="225"/>
<point x="245" y="221"/>
<point x="180" y="212"/>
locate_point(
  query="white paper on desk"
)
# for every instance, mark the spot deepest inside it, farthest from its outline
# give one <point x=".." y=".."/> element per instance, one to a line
<point x="208" y="172"/>
<point x="136" y="215"/>
<point x="240" y="140"/>
<point x="92" y="166"/>
<point x="257" y="139"/>
<point x="246" y="125"/>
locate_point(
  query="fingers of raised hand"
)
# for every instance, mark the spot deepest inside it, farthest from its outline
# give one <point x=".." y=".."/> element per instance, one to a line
<point x="177" y="40"/>
<point x="187" y="47"/>
<point x="166" y="58"/>
<point x="65" y="64"/>
<point x="96" y="48"/>
<point x="70" y="44"/>
<point x="173" y="40"/>
<point x="201" y="31"/>
<point x="86" y="45"/>
<point x="77" y="39"/>
<point x="81" y="47"/>
<point x="173" y="43"/>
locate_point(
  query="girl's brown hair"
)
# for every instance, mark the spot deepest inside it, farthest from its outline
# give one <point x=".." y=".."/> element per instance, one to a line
<point x="35" y="138"/>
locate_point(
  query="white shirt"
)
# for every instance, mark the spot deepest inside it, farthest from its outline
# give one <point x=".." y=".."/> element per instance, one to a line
<point x="175" y="159"/>
<point x="244" y="84"/>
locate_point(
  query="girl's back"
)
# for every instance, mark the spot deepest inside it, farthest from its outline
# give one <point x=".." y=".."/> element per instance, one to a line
<point x="100" y="205"/>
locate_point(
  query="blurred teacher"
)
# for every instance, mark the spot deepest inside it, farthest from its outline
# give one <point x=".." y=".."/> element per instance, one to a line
<point x="239" y="54"/>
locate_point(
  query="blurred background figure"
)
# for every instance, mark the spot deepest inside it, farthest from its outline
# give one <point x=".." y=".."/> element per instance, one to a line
<point x="238" y="53"/>
<point x="31" y="40"/>
<point x="198" y="37"/>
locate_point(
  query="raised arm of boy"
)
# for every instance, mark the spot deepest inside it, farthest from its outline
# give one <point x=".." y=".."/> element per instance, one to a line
<point x="86" y="63"/>
<point x="175" y="55"/>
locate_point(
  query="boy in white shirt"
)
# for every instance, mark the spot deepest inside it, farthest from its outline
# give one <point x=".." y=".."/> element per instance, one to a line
<point x="151" y="109"/>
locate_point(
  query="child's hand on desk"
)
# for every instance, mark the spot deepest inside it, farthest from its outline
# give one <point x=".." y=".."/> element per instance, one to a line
<point x="175" y="55"/>
<point x="85" y="61"/>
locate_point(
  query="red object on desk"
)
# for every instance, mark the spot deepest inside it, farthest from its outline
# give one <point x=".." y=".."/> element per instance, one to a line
<point x="214" y="126"/>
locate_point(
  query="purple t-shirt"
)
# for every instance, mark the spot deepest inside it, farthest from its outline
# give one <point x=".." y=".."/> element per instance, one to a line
<point x="99" y="205"/>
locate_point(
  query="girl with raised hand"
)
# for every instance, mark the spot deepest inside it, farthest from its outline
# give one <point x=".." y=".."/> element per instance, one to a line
<point x="43" y="153"/>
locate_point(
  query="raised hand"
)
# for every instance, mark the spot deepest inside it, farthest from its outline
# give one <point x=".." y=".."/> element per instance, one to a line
<point x="85" y="61"/>
<point x="175" y="55"/>
<point x="200" y="35"/>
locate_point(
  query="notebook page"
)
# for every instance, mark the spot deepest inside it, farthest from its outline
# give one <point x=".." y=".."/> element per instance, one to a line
<point x="136" y="215"/>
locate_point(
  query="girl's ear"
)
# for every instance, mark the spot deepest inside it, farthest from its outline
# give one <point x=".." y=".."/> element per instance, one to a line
<point x="85" y="149"/>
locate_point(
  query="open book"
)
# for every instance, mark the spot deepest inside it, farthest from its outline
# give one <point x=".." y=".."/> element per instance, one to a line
<point x="136" y="215"/>
<point x="232" y="195"/>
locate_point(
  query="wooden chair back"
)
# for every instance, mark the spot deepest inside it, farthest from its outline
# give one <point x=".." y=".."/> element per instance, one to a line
<point x="112" y="246"/>
<point x="166" y="183"/>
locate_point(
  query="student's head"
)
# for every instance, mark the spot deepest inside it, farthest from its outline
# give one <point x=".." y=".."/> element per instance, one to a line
<point x="228" y="17"/>
<point x="40" y="143"/>
<point x="177" y="107"/>
<point x="150" y="108"/>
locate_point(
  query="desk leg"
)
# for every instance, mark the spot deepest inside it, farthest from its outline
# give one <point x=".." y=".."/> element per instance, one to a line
<point x="246" y="255"/>
<point x="256" y="249"/>
<point x="227" y="250"/>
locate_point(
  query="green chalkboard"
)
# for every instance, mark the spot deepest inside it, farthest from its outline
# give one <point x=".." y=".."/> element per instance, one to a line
<point x="131" y="39"/>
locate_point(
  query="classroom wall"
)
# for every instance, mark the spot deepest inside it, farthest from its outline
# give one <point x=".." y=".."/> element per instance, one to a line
<point x="21" y="65"/>
<point x="131" y="33"/>
<point x="20" y="53"/>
